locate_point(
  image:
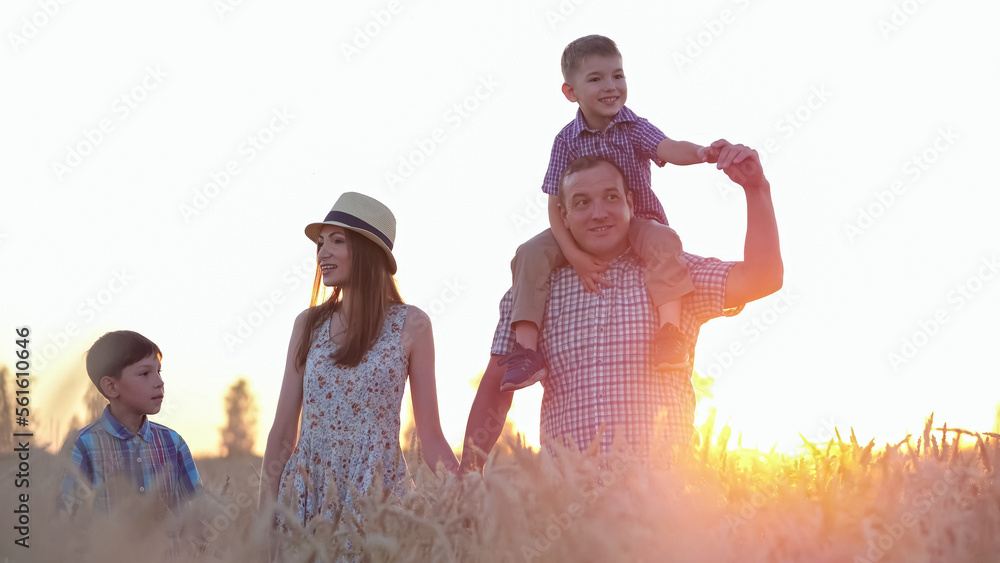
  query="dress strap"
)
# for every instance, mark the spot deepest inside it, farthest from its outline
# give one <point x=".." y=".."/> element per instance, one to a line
<point x="395" y="317"/>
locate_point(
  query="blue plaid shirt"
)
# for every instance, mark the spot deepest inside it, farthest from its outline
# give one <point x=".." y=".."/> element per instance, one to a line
<point x="629" y="141"/>
<point x="108" y="460"/>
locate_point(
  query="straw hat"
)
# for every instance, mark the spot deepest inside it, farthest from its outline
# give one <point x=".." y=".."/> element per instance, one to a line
<point x="364" y="215"/>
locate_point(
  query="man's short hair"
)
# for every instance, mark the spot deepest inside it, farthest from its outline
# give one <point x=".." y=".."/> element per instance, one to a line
<point x="585" y="163"/>
<point x="115" y="351"/>
<point x="574" y="53"/>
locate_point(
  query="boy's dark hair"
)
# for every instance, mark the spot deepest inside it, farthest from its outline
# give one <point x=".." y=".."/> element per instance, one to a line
<point x="574" y="53"/>
<point x="585" y="163"/>
<point x="115" y="351"/>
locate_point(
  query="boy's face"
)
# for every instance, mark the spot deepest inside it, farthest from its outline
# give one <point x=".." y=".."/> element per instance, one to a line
<point x="600" y="89"/>
<point x="139" y="390"/>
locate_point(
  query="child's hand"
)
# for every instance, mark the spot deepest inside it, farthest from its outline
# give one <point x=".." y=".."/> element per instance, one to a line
<point x="589" y="269"/>
<point x="711" y="153"/>
<point x="705" y="155"/>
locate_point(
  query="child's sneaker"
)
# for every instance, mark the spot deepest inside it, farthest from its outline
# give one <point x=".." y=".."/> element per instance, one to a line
<point x="524" y="367"/>
<point x="670" y="348"/>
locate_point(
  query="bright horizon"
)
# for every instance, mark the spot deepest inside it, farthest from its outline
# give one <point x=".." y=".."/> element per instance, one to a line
<point x="160" y="167"/>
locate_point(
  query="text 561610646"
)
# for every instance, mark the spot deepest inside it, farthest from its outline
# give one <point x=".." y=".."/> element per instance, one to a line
<point x="22" y="437"/>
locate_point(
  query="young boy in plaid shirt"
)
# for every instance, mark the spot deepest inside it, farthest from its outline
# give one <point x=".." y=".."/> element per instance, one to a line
<point x="594" y="79"/>
<point x="123" y="451"/>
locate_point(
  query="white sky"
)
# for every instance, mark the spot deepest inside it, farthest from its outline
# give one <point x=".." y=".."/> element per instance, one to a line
<point x="838" y="106"/>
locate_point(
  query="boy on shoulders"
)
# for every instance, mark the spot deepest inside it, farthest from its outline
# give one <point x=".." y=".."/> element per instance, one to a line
<point x="594" y="79"/>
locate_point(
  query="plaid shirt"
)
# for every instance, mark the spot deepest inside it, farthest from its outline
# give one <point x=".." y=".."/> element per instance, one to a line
<point x="600" y="360"/>
<point x="106" y="455"/>
<point x="629" y="141"/>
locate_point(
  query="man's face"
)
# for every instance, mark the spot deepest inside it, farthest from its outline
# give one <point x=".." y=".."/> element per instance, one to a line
<point x="596" y="210"/>
<point x="600" y="89"/>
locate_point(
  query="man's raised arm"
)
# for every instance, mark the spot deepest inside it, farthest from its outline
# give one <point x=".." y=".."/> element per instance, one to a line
<point x="761" y="272"/>
<point x="487" y="417"/>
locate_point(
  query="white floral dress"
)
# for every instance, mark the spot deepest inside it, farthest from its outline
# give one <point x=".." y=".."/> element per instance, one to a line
<point x="350" y="423"/>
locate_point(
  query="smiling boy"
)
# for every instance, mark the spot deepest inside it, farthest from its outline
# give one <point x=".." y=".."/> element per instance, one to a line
<point x="123" y="449"/>
<point x="595" y="80"/>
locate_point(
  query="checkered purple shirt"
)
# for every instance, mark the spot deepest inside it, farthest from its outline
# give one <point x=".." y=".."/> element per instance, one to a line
<point x="630" y="142"/>
<point x="108" y="458"/>
<point x="599" y="353"/>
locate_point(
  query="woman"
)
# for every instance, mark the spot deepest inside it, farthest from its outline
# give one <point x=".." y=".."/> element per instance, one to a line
<point x="347" y="364"/>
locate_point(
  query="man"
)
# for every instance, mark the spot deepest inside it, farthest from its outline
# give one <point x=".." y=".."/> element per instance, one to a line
<point x="598" y="345"/>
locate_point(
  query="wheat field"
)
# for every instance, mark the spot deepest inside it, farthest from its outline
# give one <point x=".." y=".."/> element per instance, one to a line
<point x="928" y="498"/>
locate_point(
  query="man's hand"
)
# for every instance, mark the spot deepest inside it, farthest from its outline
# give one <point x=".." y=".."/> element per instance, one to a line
<point x="589" y="269"/>
<point x="740" y="163"/>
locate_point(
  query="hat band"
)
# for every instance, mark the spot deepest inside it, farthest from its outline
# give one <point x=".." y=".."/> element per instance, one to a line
<point x="352" y="221"/>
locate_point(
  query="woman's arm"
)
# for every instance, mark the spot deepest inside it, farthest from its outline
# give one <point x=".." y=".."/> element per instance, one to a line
<point x="419" y="343"/>
<point x="284" y="431"/>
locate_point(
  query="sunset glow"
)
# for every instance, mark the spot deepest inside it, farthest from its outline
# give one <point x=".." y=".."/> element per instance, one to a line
<point x="162" y="185"/>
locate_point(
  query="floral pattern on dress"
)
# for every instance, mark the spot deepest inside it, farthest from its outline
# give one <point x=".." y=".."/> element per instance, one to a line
<point x="350" y="424"/>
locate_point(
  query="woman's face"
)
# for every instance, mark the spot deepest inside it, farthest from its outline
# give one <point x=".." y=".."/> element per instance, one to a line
<point x="334" y="256"/>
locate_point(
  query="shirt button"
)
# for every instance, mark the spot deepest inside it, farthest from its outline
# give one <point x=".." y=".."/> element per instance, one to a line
<point x="142" y="489"/>
<point x="598" y="362"/>
<point x="139" y="459"/>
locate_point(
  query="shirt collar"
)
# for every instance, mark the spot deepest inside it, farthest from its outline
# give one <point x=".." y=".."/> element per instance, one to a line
<point x="117" y="429"/>
<point x="623" y="260"/>
<point x="580" y="124"/>
<point x="625" y="255"/>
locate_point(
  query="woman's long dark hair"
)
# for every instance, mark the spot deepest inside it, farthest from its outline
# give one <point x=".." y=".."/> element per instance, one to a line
<point x="372" y="290"/>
